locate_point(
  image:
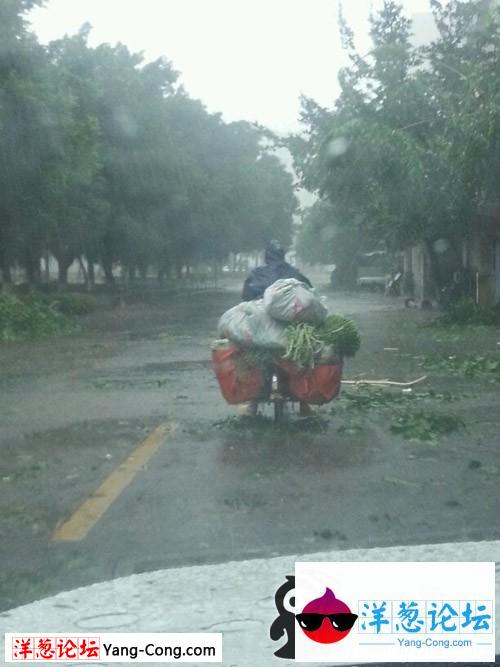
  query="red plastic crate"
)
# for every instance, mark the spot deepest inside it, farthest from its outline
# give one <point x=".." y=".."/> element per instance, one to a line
<point x="237" y="383"/>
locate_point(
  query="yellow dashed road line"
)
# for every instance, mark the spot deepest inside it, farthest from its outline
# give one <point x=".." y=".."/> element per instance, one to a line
<point x="89" y="513"/>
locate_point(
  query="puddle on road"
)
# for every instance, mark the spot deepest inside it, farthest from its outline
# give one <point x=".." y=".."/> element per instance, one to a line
<point x="241" y="625"/>
<point x="169" y="366"/>
<point x="143" y="335"/>
<point x="262" y="424"/>
<point x="173" y="332"/>
<point x="263" y="451"/>
<point x="148" y="376"/>
<point x="108" y="621"/>
<point x="136" y="383"/>
<point x="244" y="502"/>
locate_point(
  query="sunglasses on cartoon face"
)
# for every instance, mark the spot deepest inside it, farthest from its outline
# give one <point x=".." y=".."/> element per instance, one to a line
<point x="340" y="622"/>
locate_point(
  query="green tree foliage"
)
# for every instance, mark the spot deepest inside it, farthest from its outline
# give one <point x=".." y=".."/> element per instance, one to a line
<point x="410" y="151"/>
<point x="105" y="158"/>
<point x="322" y="238"/>
<point x="25" y="139"/>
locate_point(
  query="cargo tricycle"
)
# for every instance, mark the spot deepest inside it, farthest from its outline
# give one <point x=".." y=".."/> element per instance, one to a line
<point x="279" y="382"/>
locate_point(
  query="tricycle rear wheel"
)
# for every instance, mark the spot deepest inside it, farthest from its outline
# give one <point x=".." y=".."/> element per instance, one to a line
<point x="279" y="409"/>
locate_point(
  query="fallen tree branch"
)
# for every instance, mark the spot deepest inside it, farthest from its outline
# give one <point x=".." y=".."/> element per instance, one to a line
<point x="387" y="383"/>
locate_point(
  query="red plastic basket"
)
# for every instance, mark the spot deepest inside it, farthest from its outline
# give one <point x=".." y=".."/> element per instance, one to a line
<point x="315" y="385"/>
<point x="237" y="382"/>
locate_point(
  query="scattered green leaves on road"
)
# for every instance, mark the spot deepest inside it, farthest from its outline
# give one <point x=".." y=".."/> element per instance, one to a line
<point x="425" y="424"/>
<point x="405" y="412"/>
<point x="469" y="366"/>
<point x="367" y="398"/>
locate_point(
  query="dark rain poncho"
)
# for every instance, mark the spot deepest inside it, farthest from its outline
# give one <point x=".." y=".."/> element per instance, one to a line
<point x="275" y="268"/>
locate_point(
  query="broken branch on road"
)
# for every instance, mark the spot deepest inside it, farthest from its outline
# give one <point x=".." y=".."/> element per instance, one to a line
<point x="386" y="382"/>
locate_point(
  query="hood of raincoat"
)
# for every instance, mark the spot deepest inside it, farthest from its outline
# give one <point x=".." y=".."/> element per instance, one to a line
<point x="274" y="252"/>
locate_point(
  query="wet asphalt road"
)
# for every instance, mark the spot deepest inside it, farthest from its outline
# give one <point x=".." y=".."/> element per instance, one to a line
<point x="218" y="489"/>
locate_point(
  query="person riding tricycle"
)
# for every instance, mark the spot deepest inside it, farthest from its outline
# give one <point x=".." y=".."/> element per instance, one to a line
<point x="275" y="268"/>
<point x="280" y="344"/>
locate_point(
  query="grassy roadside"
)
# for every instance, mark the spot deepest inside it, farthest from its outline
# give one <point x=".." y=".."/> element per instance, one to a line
<point x="37" y="315"/>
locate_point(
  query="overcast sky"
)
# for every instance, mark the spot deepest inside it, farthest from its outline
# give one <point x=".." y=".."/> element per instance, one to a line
<point x="249" y="59"/>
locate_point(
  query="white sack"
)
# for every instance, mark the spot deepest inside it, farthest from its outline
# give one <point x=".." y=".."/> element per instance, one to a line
<point x="289" y="300"/>
<point x="248" y="324"/>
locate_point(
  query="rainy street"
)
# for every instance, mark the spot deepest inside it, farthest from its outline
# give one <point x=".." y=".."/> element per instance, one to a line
<point x="120" y="456"/>
<point x="250" y="331"/>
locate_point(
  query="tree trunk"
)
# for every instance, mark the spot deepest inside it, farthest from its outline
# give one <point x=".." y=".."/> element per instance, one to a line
<point x="108" y="272"/>
<point x="64" y="261"/>
<point x="46" y="259"/>
<point x="435" y="269"/>
<point x="6" y="270"/>
<point x="216" y="273"/>
<point x="107" y="266"/>
<point x="107" y="259"/>
<point x="32" y="267"/>
<point x="85" y="274"/>
<point x="63" y="273"/>
<point x="163" y="272"/>
<point x="90" y="271"/>
<point x="164" y="269"/>
<point x="178" y="268"/>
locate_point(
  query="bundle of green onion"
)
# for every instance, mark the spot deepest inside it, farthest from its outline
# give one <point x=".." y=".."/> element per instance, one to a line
<point x="341" y="333"/>
<point x="305" y="343"/>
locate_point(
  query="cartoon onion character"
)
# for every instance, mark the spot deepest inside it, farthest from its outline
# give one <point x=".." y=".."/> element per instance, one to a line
<point x="326" y="620"/>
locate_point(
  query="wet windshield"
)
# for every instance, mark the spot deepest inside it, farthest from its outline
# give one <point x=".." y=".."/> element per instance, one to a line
<point x="249" y="304"/>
